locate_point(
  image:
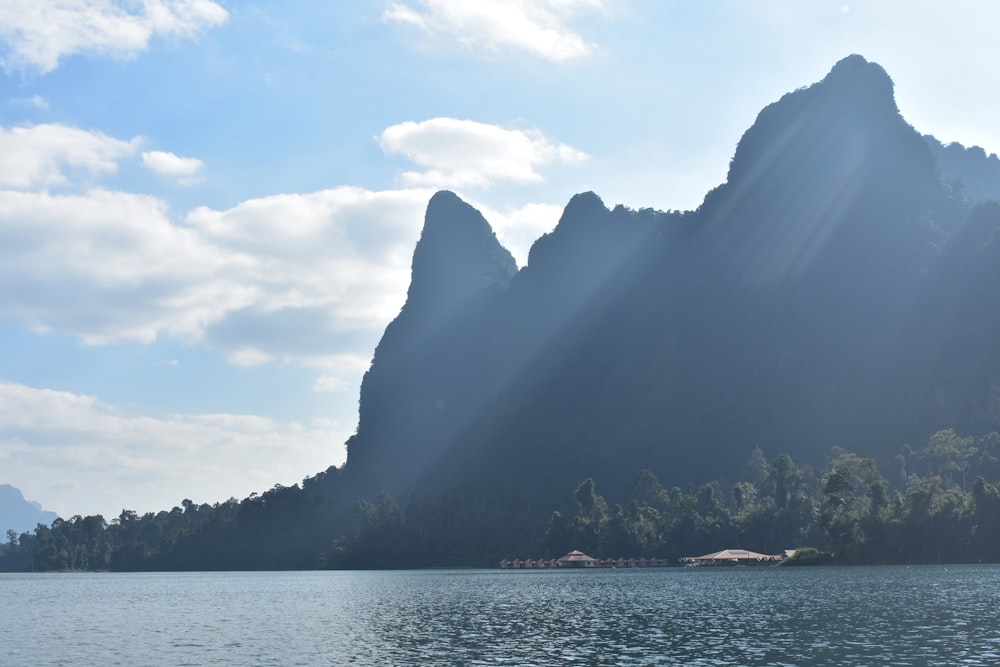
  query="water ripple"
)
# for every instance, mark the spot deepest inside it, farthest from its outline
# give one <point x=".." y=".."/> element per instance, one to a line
<point x="706" y="618"/>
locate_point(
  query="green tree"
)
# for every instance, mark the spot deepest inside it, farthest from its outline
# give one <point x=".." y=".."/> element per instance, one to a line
<point x="985" y="537"/>
<point x="591" y="522"/>
<point x="855" y="506"/>
<point x="950" y="457"/>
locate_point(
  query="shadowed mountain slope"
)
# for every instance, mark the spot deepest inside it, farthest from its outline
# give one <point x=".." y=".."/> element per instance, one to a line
<point x="833" y="291"/>
<point x="428" y="369"/>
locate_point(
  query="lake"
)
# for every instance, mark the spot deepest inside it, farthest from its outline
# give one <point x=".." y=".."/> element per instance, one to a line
<point x="933" y="615"/>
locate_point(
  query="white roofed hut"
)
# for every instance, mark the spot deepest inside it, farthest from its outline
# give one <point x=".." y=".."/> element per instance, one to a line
<point x="733" y="557"/>
<point x="576" y="559"/>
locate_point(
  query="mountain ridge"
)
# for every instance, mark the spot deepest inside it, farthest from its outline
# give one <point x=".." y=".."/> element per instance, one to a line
<point x="626" y="326"/>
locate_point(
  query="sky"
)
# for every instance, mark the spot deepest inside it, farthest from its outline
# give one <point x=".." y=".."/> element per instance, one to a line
<point x="208" y="208"/>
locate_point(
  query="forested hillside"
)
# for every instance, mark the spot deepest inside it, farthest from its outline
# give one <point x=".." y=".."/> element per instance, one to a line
<point x="936" y="503"/>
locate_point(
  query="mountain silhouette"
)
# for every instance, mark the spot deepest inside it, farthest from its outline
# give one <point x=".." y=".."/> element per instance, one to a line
<point x="18" y="514"/>
<point x="838" y="289"/>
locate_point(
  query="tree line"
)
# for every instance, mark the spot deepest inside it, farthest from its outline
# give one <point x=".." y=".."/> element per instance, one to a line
<point x="940" y="503"/>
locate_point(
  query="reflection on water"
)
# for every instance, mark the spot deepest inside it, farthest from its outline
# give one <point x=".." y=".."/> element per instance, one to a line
<point x="756" y="616"/>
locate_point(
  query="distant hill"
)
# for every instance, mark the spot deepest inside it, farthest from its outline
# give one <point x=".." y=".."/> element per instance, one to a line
<point x="839" y="289"/>
<point x="18" y="514"/>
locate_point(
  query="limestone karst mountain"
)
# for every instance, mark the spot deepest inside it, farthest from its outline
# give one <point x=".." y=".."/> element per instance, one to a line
<point x="835" y="291"/>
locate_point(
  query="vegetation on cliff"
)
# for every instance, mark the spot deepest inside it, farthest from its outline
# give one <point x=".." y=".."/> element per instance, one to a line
<point x="940" y="503"/>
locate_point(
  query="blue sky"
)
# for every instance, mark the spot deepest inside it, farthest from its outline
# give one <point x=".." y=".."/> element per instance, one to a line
<point x="208" y="208"/>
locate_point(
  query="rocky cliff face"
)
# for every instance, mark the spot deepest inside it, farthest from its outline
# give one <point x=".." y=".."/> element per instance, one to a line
<point x="428" y="368"/>
<point x="829" y="293"/>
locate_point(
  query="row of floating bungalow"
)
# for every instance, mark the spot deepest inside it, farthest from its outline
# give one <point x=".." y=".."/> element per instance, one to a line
<point x="575" y="559"/>
<point x="580" y="559"/>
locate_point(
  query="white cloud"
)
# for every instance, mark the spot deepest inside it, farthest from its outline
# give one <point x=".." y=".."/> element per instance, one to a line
<point x="40" y="155"/>
<point x="167" y="164"/>
<point x="110" y="266"/>
<point x="332" y="271"/>
<point x="248" y="356"/>
<point x="463" y="152"/>
<point x="538" y="27"/>
<point x="299" y="278"/>
<point x="83" y="456"/>
<point x="37" y="33"/>
<point x="310" y="279"/>
<point x="517" y="229"/>
<point x="340" y="372"/>
<point x="35" y="101"/>
<point x="329" y="383"/>
<point x="331" y="260"/>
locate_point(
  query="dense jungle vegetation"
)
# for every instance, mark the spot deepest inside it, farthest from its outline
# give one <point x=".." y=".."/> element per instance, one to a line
<point x="940" y="503"/>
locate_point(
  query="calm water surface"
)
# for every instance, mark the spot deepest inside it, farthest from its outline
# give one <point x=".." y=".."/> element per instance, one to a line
<point x="768" y="616"/>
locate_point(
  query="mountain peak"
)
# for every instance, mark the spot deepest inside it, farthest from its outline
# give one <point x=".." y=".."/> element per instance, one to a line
<point x="584" y="215"/>
<point x="457" y="254"/>
<point x="816" y="169"/>
<point x="861" y="80"/>
<point x="446" y="208"/>
<point x="842" y="127"/>
<point x="585" y="203"/>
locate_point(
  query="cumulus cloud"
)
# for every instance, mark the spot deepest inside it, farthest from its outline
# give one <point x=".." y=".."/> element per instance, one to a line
<point x="41" y="156"/>
<point x="36" y="34"/>
<point x="109" y="266"/>
<point x="310" y="279"/>
<point x="85" y="456"/>
<point x="301" y="278"/>
<point x="538" y="27"/>
<point x="185" y="169"/>
<point x="332" y="271"/>
<point x="463" y="152"/>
